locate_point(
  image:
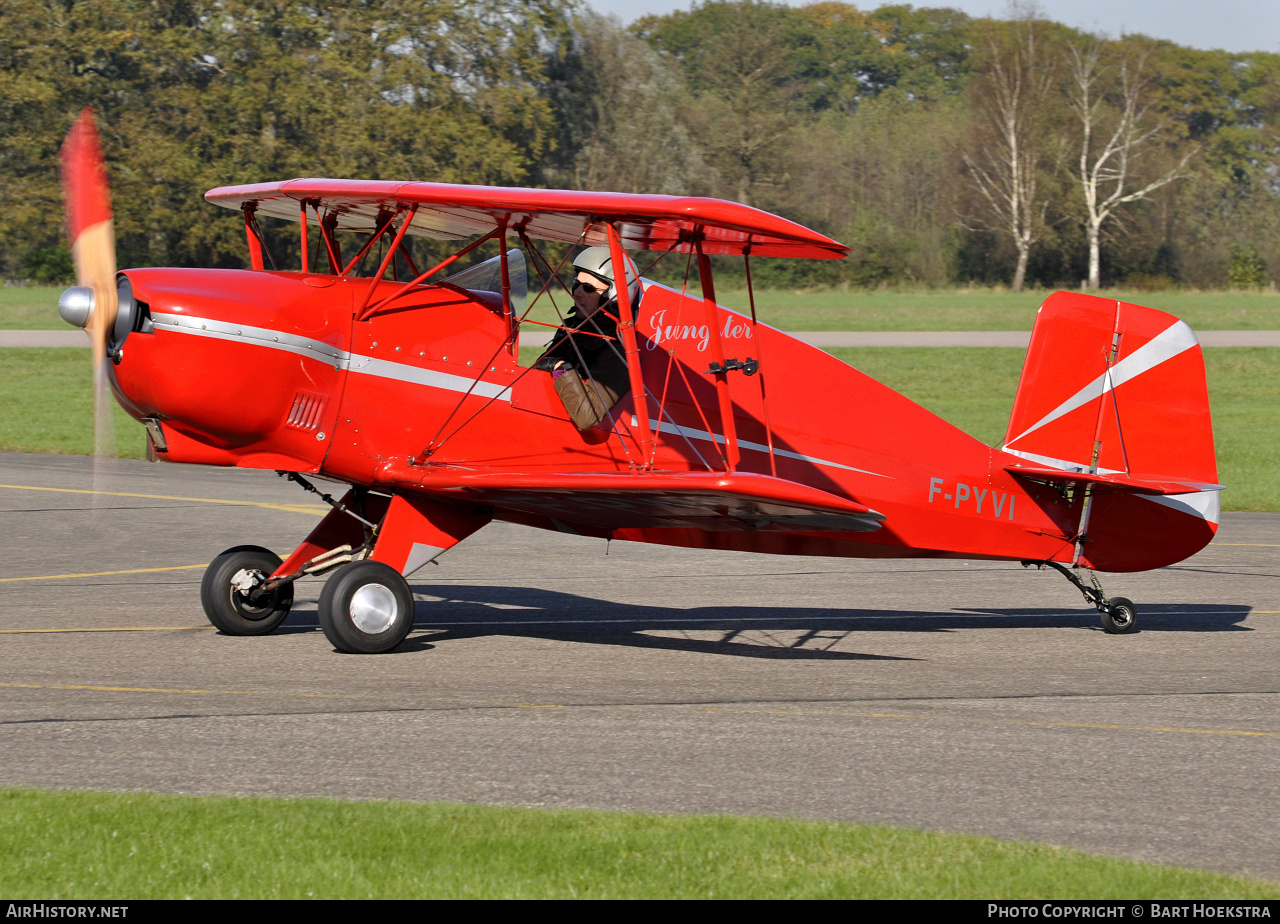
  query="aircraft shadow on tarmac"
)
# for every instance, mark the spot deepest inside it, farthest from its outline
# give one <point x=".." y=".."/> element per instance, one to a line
<point x="792" y="633"/>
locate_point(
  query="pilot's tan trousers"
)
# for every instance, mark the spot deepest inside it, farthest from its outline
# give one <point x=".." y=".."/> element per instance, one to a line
<point x="582" y="399"/>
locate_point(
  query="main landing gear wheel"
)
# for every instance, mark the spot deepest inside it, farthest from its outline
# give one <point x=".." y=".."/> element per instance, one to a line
<point x="1120" y="616"/>
<point x="235" y="611"/>
<point x="366" y="607"/>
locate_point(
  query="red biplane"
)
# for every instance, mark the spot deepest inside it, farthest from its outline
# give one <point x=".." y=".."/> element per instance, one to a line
<point x="732" y="435"/>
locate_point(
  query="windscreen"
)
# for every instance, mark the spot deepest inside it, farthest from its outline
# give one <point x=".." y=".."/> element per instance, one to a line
<point x="487" y="277"/>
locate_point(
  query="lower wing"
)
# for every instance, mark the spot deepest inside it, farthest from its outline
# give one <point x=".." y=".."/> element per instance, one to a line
<point x="613" y="500"/>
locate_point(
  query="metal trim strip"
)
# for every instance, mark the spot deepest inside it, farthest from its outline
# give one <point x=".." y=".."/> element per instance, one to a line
<point x="317" y="349"/>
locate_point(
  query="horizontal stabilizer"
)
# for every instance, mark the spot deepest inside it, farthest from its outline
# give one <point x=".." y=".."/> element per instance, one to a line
<point x="616" y="500"/>
<point x="1114" y="483"/>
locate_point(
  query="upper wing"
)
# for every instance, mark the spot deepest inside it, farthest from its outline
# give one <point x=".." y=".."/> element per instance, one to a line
<point x="612" y="500"/>
<point x="455" y="212"/>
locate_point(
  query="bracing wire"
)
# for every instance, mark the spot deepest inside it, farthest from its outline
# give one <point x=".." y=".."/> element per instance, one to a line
<point x="432" y="446"/>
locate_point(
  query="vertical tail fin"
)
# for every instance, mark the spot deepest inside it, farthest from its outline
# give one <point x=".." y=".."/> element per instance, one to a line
<point x="1118" y="389"/>
<point x="1114" y="388"/>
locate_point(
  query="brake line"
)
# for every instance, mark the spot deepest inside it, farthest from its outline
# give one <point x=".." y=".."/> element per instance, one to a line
<point x="336" y="505"/>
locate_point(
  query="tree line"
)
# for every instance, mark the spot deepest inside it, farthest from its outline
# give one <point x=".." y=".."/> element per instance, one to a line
<point x="943" y="149"/>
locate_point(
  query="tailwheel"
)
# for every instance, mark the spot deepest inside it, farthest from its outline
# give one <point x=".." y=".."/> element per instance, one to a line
<point x="366" y="607"/>
<point x="231" y="596"/>
<point x="1120" y="616"/>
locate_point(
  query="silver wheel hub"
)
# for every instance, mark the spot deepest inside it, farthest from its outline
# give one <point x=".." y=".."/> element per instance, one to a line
<point x="374" y="608"/>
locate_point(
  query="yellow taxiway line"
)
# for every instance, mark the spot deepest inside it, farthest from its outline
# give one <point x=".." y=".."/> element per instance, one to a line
<point x="58" y="577"/>
<point x="314" y="509"/>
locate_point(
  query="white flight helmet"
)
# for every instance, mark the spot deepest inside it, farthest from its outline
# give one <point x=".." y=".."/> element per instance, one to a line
<point x="598" y="262"/>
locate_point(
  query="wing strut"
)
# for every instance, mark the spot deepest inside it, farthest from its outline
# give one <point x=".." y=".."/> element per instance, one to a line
<point x="627" y="329"/>
<point x="731" y="454"/>
<point x="328" y="228"/>
<point x="391" y="253"/>
<point x="508" y="313"/>
<point x="251" y="233"/>
<point x="303" y="223"/>
<point x="373" y="309"/>
<point x="764" y="398"/>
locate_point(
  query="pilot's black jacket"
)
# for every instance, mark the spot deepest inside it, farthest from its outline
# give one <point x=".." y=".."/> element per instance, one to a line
<point x="597" y="378"/>
<point x="584" y="352"/>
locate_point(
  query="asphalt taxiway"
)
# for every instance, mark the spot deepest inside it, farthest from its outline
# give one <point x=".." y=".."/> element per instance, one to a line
<point x="977" y="697"/>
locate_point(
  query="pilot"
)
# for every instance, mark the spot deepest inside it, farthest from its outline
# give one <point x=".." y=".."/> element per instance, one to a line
<point x="585" y="358"/>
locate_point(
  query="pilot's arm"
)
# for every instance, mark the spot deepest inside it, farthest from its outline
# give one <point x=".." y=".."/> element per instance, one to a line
<point x="559" y="354"/>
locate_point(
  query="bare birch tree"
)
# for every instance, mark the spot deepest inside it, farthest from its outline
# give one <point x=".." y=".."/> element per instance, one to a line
<point x="1006" y="165"/>
<point x="1115" y="130"/>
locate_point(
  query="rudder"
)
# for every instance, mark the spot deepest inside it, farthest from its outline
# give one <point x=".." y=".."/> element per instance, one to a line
<point x="1116" y="388"/>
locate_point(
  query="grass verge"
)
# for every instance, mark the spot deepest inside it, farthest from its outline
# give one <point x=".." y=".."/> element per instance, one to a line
<point x="47" y="400"/>
<point x="984" y="309"/>
<point x="91" y="845"/>
<point x="973" y="389"/>
<point x="30" y="308"/>
<point x="47" y="403"/>
<point x="36" y="308"/>
<point x="975" y="309"/>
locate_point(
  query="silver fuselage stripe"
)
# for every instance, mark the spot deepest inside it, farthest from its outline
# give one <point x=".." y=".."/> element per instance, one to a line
<point x="381" y="368"/>
<point x="690" y="433"/>
<point x="327" y="353"/>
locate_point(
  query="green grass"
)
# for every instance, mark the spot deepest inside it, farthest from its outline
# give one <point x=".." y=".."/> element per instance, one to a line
<point x="973" y="389"/>
<point x="35" y="308"/>
<point x="1244" y="392"/>
<point x="975" y="309"/>
<point x="46" y="404"/>
<point x="30" y="308"/>
<point x="985" y="309"/>
<point x="970" y="387"/>
<point x="84" y="845"/>
<point x="45" y="394"/>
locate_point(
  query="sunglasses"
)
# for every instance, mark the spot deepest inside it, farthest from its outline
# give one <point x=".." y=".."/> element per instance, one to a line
<point x="589" y="286"/>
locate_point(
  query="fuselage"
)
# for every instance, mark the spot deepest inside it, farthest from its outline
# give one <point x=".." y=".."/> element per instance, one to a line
<point x="270" y="370"/>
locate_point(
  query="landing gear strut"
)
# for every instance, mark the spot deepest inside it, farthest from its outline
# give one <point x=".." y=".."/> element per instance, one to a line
<point x="1119" y="615"/>
<point x="238" y="593"/>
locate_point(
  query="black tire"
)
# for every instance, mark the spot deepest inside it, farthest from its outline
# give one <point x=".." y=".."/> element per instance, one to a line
<point x="366" y="607"/>
<point x="230" y="610"/>
<point x="1120" y="617"/>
